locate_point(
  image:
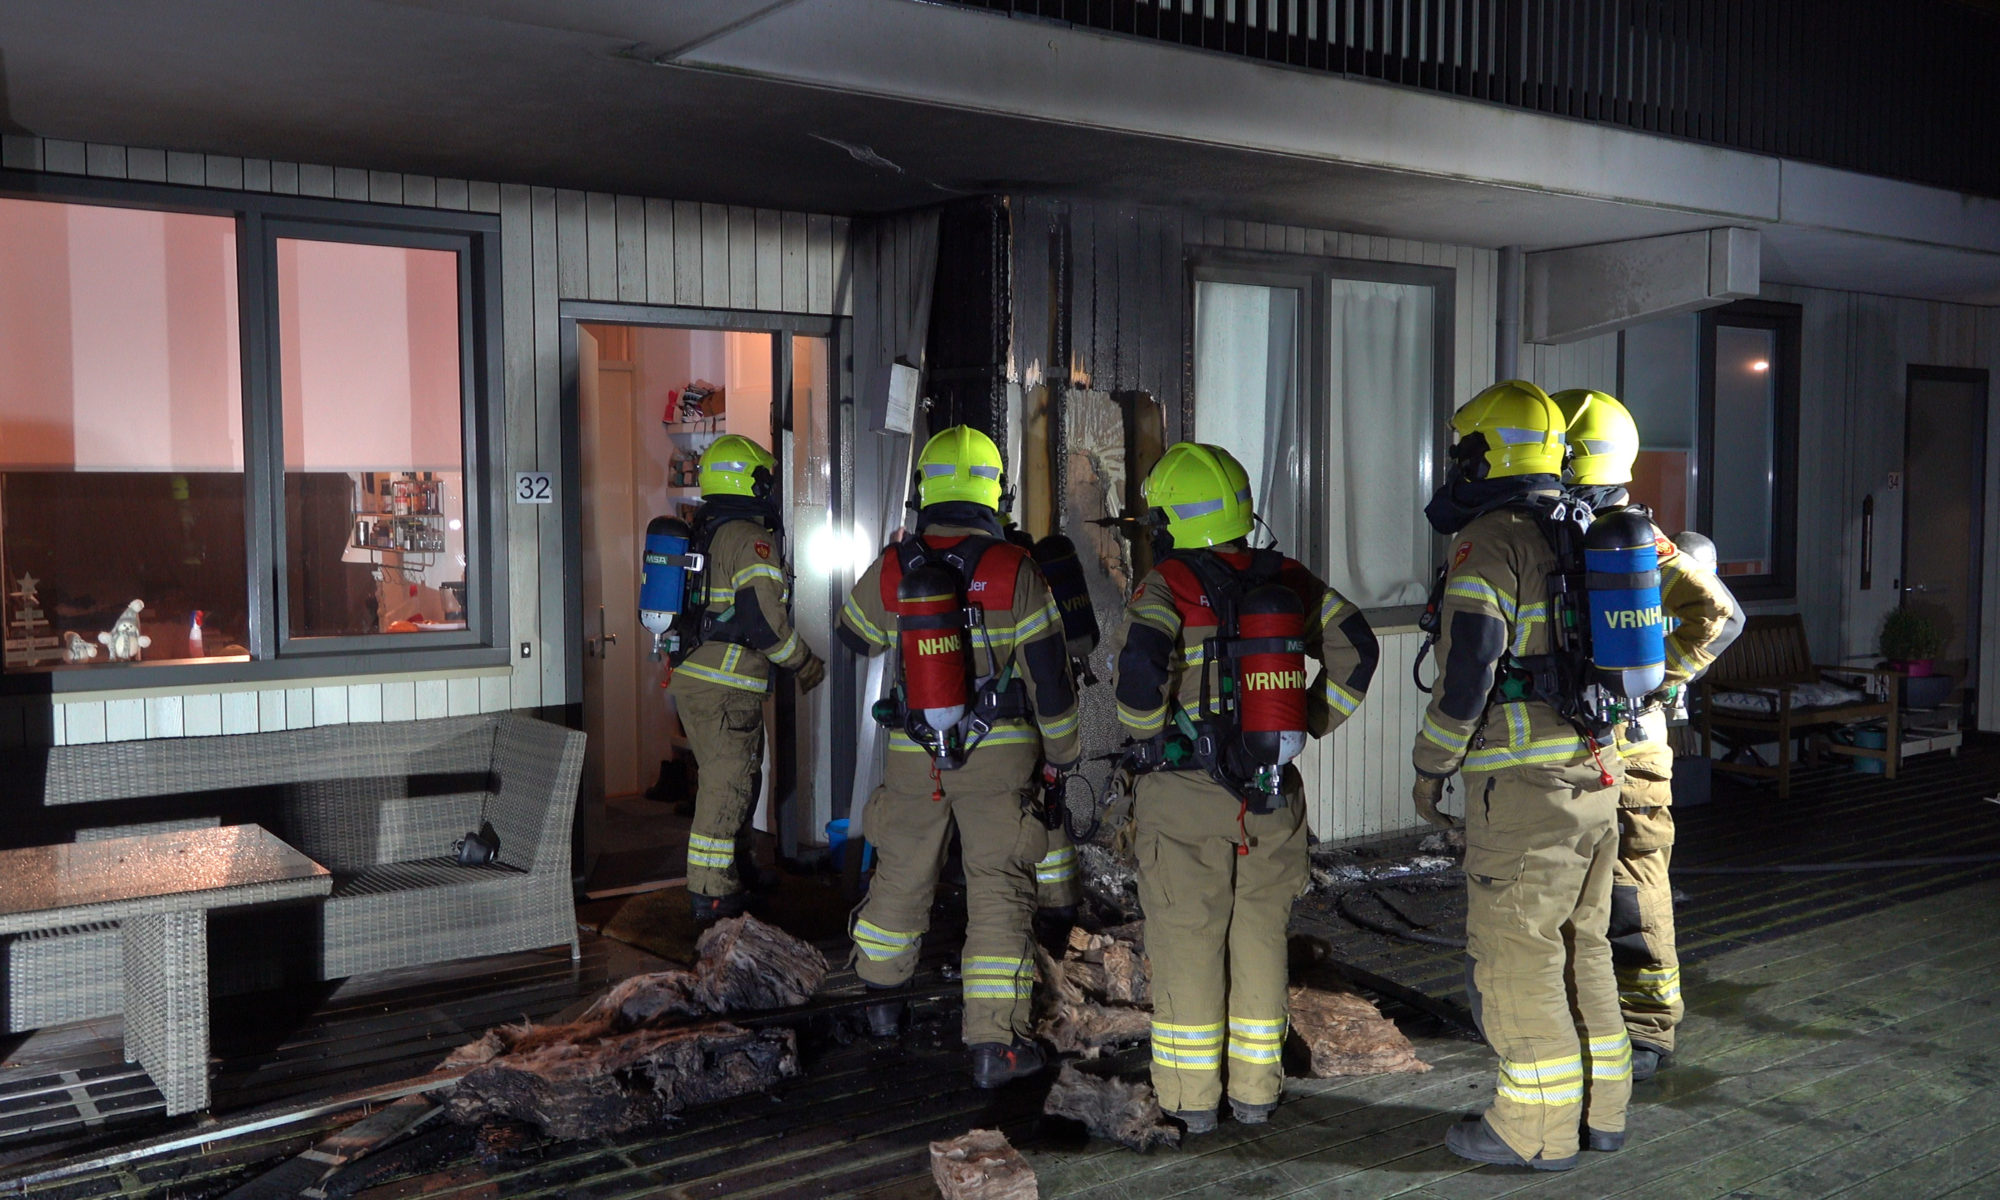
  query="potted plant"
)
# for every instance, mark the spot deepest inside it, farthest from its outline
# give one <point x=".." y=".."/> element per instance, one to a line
<point x="1910" y="641"/>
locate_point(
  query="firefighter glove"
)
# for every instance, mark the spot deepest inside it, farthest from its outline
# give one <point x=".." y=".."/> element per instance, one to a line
<point x="1425" y="795"/>
<point x="811" y="673"/>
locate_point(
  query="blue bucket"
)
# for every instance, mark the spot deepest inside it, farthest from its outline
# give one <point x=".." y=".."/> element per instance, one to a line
<point x="1870" y="739"/>
<point x="836" y="846"/>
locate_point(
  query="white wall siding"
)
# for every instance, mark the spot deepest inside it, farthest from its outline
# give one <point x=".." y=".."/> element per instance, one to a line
<point x="555" y="245"/>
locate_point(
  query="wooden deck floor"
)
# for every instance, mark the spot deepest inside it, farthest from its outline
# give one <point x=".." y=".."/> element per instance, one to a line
<point x="1840" y="1042"/>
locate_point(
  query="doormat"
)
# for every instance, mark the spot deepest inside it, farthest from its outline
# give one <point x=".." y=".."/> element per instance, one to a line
<point x="659" y="923"/>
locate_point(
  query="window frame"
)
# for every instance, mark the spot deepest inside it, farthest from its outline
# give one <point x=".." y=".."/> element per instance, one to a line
<point x="1784" y="322"/>
<point x="1318" y="272"/>
<point x="261" y="218"/>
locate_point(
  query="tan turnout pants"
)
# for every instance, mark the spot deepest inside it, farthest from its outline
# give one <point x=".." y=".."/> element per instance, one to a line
<point x="1000" y="843"/>
<point x="1642" y="899"/>
<point x="725" y="729"/>
<point x="1541" y="843"/>
<point x="1215" y="936"/>
<point x="1056" y="882"/>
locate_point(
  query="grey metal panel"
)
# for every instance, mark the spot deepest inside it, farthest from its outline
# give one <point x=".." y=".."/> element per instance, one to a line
<point x="714" y="256"/>
<point x="67" y="157"/>
<point x="543" y="203"/>
<point x="20" y="152"/>
<point x="350" y="183"/>
<point x="769" y="255"/>
<point x="517" y="319"/>
<point x="631" y="249"/>
<point x="454" y="194"/>
<point x="107" y="161"/>
<point x="795" y="290"/>
<point x="192" y="169"/>
<point x="659" y="251"/>
<point x="284" y="177"/>
<point x="420" y="190"/>
<point x="314" y="179"/>
<point x="742" y="257"/>
<point x="819" y="263"/>
<point x="151" y="165"/>
<point x="572" y="264"/>
<point x="687" y="252"/>
<point x="224" y="171"/>
<point x="601" y="239"/>
<point x="385" y="187"/>
<point x="483" y="196"/>
<point x="257" y="174"/>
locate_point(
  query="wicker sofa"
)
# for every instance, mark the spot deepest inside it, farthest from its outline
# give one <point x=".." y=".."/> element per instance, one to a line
<point x="377" y="804"/>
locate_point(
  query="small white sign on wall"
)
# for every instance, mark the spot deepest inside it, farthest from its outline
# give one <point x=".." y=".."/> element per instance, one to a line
<point x="900" y="416"/>
<point x="534" y="487"/>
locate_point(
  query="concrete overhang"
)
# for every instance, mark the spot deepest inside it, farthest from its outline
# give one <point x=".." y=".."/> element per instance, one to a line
<point x="870" y="105"/>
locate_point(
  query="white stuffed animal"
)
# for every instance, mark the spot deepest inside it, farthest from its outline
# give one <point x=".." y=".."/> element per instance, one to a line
<point x="124" y="638"/>
<point x="76" y="649"/>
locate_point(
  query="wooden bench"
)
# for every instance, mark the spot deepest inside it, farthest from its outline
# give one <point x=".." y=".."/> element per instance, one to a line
<point x="1772" y="657"/>
<point x="379" y="805"/>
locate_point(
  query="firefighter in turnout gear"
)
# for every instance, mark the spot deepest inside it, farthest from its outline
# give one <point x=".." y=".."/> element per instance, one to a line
<point x="1703" y="618"/>
<point x="743" y="628"/>
<point x="1211" y="685"/>
<point x="1057" y="887"/>
<point x="1541" y="800"/>
<point x="984" y="705"/>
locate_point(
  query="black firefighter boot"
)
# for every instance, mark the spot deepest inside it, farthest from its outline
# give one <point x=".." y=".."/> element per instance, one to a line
<point x="885" y="1017"/>
<point x="994" y="1064"/>
<point x="1473" y="1138"/>
<point x="710" y="909"/>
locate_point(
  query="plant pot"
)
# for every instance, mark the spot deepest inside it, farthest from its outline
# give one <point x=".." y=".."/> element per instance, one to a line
<point x="1918" y="668"/>
<point x="1927" y="691"/>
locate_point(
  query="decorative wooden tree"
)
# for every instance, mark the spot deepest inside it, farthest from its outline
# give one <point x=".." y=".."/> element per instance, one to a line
<point x="29" y="640"/>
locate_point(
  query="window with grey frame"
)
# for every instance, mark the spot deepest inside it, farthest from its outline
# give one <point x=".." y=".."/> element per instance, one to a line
<point x="287" y="450"/>
<point x="1716" y="398"/>
<point x="1331" y="380"/>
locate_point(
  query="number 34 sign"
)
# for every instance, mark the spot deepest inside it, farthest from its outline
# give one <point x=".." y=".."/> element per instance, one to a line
<point x="534" y="487"/>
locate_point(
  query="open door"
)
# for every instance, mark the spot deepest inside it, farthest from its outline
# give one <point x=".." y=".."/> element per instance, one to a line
<point x="1944" y="468"/>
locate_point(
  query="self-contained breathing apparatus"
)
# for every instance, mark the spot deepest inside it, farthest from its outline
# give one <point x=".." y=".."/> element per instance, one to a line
<point x="1607" y="625"/>
<point x="1250" y="722"/>
<point x="1057" y="558"/>
<point x="940" y="699"/>
<point x="674" y="583"/>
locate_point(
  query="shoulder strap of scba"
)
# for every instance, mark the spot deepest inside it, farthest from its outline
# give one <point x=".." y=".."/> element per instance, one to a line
<point x="703" y="625"/>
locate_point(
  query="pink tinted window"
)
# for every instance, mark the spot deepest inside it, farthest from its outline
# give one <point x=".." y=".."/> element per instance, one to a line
<point x="373" y="403"/>
<point x="121" y="436"/>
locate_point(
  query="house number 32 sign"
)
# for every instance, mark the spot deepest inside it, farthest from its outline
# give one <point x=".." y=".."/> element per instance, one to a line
<point x="534" y="487"/>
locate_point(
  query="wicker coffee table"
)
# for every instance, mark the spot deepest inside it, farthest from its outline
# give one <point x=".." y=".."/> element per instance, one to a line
<point x="159" y="887"/>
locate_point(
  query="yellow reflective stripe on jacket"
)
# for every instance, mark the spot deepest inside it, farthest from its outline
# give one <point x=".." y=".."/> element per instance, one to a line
<point x="1340" y="699"/>
<point x="1256" y="1040"/>
<point x="1482" y="592"/>
<point x="725" y="677"/>
<point x="1155" y="611"/>
<point x="785" y="649"/>
<point x="1610" y="1057"/>
<point x="1519" y="725"/>
<point x="1561" y="749"/>
<point x="1057" y="865"/>
<point x="1525" y="620"/>
<point x="1033" y="624"/>
<point x="1331" y="608"/>
<point x="1061" y="726"/>
<point x="878" y="944"/>
<point x="1450" y="740"/>
<point x="755" y="571"/>
<point x="994" y="977"/>
<point x="1552" y="1081"/>
<point x="705" y="851"/>
<point x="1188" y="1047"/>
<point x="859" y="622"/>
<point x="1004" y="733"/>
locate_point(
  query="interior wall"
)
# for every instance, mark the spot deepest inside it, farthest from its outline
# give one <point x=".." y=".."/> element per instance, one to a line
<point x="556" y="245"/>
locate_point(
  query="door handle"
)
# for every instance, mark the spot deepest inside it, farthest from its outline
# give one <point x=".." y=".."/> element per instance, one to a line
<point x="597" y="647"/>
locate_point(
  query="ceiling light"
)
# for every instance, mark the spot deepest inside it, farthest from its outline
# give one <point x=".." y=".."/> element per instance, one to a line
<point x="1760" y="365"/>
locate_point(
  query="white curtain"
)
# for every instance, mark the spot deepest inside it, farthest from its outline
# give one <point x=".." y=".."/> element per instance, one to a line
<point x="1246" y="387"/>
<point x="1383" y="422"/>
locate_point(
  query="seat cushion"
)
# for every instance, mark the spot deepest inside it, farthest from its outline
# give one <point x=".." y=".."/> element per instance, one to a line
<point x="1805" y="696"/>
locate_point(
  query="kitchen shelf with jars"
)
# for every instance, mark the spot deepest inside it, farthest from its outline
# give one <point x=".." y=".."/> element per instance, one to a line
<point x="400" y="520"/>
<point x="695" y="416"/>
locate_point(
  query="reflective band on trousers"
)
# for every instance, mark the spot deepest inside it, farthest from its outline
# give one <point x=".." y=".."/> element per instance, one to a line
<point x="992" y="977"/>
<point x="705" y="851"/>
<point x="1057" y="866"/>
<point x="1649" y="985"/>
<point x="1188" y="1047"/>
<point x="1256" y="1040"/>
<point x="1550" y="1081"/>
<point x="1610" y="1057"/>
<point x="878" y="944"/>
